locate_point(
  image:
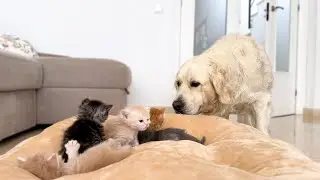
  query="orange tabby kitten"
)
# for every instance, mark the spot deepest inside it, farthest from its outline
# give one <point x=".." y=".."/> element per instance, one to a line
<point x="125" y="126"/>
<point x="43" y="165"/>
<point x="50" y="166"/>
<point x="156" y="118"/>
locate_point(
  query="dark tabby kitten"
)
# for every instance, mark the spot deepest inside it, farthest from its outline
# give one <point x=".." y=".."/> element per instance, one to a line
<point x="167" y="134"/>
<point x="88" y="128"/>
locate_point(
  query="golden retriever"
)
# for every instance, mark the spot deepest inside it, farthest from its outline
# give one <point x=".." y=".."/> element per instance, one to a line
<point x="234" y="76"/>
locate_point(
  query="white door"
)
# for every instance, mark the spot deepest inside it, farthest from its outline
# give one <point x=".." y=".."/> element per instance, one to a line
<point x="274" y="24"/>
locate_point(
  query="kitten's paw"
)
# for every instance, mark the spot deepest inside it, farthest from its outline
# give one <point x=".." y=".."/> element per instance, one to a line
<point x="72" y="148"/>
<point x="72" y="144"/>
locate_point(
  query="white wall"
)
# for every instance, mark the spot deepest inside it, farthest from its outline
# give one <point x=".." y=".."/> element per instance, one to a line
<point x="313" y="56"/>
<point x="317" y="60"/>
<point x="125" y="30"/>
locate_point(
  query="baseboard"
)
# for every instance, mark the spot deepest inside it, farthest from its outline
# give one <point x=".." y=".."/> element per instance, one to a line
<point x="311" y="115"/>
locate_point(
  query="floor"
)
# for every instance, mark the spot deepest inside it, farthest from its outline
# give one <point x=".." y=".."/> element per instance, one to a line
<point x="292" y="129"/>
<point x="9" y="143"/>
<point x="302" y="133"/>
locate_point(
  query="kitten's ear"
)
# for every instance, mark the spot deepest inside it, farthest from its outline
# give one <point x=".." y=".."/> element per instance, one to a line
<point x="53" y="160"/>
<point x="162" y="110"/>
<point x="109" y="107"/>
<point x="124" y="114"/>
<point x="85" y="101"/>
<point x="21" y="160"/>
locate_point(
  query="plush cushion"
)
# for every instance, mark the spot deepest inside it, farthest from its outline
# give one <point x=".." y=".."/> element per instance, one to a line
<point x="233" y="151"/>
<point x="19" y="73"/>
<point x="66" y="72"/>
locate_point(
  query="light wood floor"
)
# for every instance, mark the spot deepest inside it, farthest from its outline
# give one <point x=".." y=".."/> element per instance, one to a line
<point x="291" y="129"/>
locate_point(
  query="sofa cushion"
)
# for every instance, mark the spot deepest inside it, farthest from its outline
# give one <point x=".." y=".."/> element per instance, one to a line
<point x="56" y="104"/>
<point x="19" y="73"/>
<point x="67" y="72"/>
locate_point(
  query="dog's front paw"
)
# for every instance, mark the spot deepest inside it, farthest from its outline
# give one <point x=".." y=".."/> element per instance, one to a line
<point x="72" y="148"/>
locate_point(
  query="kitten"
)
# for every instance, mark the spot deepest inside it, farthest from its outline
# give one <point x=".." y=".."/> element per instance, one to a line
<point x="50" y="166"/>
<point x="88" y="128"/>
<point x="125" y="126"/>
<point x="175" y="134"/>
<point x="43" y="165"/>
<point x="156" y="118"/>
<point x="153" y="133"/>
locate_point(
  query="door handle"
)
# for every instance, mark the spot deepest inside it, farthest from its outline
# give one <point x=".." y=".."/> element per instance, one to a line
<point x="274" y="8"/>
<point x="267" y="9"/>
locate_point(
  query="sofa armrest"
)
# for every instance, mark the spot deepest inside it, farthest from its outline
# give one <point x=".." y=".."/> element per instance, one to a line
<point x="19" y="73"/>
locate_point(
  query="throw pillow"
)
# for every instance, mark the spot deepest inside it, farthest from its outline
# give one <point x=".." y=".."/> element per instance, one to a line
<point x="16" y="45"/>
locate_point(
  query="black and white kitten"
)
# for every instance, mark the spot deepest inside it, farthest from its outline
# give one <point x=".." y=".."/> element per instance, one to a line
<point x="175" y="134"/>
<point x="88" y="128"/>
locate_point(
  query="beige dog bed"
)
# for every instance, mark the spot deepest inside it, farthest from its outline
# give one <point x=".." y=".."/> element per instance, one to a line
<point x="233" y="151"/>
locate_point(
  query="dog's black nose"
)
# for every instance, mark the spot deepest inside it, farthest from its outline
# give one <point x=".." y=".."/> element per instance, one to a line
<point x="178" y="105"/>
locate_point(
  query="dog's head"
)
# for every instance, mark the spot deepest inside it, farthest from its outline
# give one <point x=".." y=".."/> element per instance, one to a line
<point x="200" y="84"/>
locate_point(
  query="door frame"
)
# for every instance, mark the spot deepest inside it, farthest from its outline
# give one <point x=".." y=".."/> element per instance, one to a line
<point x="187" y="30"/>
<point x="234" y="24"/>
<point x="302" y="55"/>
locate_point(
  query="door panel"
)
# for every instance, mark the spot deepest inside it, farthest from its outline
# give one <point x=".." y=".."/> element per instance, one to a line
<point x="210" y="23"/>
<point x="285" y="57"/>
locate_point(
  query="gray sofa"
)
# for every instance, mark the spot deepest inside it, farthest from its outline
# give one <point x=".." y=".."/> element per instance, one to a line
<point x="50" y="88"/>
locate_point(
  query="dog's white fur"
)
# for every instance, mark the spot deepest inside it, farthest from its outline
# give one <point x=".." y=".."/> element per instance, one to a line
<point x="235" y="77"/>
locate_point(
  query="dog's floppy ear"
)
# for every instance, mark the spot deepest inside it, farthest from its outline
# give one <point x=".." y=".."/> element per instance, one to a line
<point x="226" y="81"/>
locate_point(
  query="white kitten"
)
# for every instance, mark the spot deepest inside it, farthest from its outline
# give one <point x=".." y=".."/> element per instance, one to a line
<point x="125" y="126"/>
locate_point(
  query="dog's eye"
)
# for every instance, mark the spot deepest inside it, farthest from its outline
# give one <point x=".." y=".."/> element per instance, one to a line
<point x="194" y="84"/>
<point x="178" y="83"/>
